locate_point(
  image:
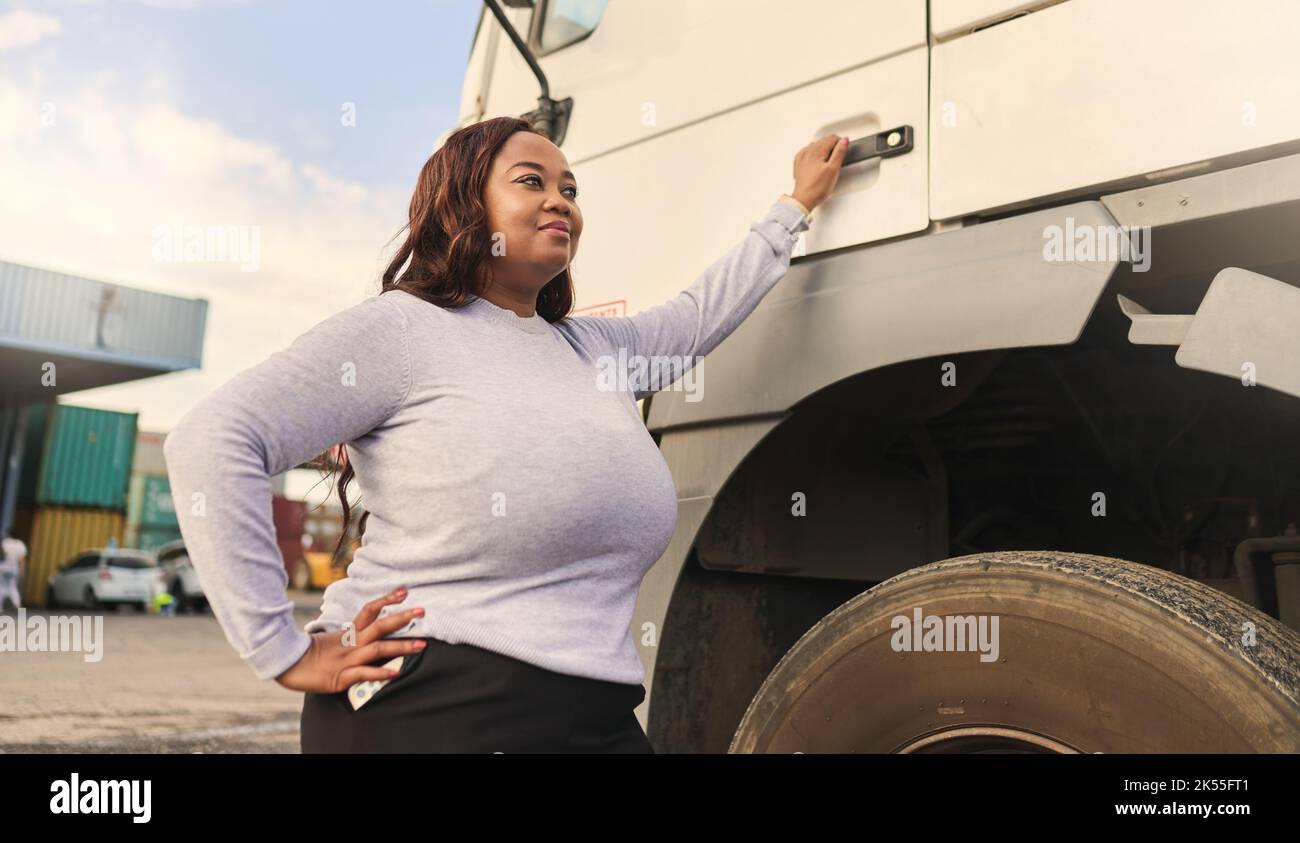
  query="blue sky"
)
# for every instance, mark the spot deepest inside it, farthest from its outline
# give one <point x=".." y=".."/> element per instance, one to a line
<point x="122" y="118"/>
<point x="279" y="70"/>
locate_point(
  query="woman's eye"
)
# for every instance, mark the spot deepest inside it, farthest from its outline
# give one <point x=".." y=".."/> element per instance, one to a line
<point x="539" y="184"/>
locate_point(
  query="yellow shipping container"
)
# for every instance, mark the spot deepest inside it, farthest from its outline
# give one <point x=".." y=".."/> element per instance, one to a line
<point x="317" y="571"/>
<point x="58" y="533"/>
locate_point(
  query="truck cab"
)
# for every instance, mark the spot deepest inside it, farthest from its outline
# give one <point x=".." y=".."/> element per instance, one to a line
<point x="1036" y="359"/>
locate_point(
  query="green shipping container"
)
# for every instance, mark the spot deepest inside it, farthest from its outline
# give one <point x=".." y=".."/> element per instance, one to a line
<point x="77" y="456"/>
<point x="150" y="505"/>
<point x="152" y="538"/>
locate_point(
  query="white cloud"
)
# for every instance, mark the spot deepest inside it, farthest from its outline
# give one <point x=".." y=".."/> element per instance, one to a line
<point x="21" y="28"/>
<point x="86" y="179"/>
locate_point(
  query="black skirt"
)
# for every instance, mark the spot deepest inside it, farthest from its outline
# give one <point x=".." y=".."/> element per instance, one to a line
<point x="458" y="698"/>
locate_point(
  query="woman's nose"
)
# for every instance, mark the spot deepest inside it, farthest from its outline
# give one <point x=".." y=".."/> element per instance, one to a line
<point x="560" y="209"/>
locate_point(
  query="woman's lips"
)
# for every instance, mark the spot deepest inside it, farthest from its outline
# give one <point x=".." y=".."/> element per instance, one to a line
<point x="557" y="232"/>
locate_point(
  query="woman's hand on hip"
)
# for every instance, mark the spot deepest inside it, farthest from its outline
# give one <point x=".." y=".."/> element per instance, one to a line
<point x="329" y="667"/>
<point x="817" y="168"/>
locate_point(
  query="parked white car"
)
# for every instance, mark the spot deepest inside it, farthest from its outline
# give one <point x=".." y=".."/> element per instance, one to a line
<point x="182" y="581"/>
<point x="101" y="577"/>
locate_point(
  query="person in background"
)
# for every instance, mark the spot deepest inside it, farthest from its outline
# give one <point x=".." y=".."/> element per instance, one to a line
<point x="13" y="563"/>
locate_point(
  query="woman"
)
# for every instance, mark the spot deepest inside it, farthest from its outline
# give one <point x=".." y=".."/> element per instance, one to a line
<point x="516" y="497"/>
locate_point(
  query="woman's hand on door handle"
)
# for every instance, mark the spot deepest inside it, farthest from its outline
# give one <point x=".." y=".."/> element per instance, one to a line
<point x="817" y="169"/>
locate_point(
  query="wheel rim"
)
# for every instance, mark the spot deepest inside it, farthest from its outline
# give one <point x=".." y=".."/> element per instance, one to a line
<point x="967" y="740"/>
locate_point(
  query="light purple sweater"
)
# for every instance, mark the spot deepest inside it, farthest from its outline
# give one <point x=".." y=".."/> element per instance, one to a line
<point x="517" y="497"/>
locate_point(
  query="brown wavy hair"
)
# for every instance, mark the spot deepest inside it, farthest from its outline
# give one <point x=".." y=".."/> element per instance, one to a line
<point x="446" y="257"/>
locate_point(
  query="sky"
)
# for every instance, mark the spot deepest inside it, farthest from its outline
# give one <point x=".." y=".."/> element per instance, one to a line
<point x="306" y="121"/>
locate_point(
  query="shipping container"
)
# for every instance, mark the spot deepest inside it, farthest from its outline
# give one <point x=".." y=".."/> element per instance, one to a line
<point x="289" y="516"/>
<point x="291" y="552"/>
<point x="149" y="503"/>
<point x="56" y="534"/>
<point x="149" y="453"/>
<point x="318" y="570"/>
<point x="151" y="538"/>
<point x="290" y="519"/>
<point x="77" y="456"/>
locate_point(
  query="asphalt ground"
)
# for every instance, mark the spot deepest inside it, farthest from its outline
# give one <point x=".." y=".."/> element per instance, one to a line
<point x="163" y="685"/>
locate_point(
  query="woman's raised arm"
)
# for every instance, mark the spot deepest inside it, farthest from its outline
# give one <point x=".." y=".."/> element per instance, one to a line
<point x="336" y="382"/>
<point x="693" y="323"/>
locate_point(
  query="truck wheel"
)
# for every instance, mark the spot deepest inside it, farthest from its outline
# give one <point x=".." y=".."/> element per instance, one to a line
<point x="1094" y="654"/>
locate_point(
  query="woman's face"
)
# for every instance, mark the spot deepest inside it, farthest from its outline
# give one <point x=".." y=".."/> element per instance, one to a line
<point x="529" y="187"/>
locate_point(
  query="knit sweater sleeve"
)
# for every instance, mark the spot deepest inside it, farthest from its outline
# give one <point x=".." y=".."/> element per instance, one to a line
<point x="700" y="317"/>
<point x="333" y="384"/>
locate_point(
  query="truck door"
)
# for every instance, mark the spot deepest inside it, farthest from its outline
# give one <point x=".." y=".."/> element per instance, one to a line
<point x="687" y="116"/>
<point x="1086" y="96"/>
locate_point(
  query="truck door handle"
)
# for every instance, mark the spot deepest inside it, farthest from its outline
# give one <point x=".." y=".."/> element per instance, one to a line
<point x="885" y="144"/>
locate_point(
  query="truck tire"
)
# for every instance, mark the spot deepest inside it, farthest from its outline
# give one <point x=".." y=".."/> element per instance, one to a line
<point x="1094" y="655"/>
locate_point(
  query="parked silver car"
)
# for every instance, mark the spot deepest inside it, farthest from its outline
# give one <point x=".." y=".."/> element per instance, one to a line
<point x="108" y="577"/>
<point x="182" y="581"/>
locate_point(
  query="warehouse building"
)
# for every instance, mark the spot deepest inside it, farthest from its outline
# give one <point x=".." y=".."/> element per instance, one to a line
<point x="61" y="334"/>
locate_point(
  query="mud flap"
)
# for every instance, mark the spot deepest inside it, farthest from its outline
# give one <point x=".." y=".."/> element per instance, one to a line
<point x="1247" y="327"/>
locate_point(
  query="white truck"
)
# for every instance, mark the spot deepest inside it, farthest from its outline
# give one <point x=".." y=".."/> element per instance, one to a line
<point x="1010" y="459"/>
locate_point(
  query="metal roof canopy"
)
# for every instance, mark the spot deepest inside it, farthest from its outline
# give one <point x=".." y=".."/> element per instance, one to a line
<point x="95" y="333"/>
